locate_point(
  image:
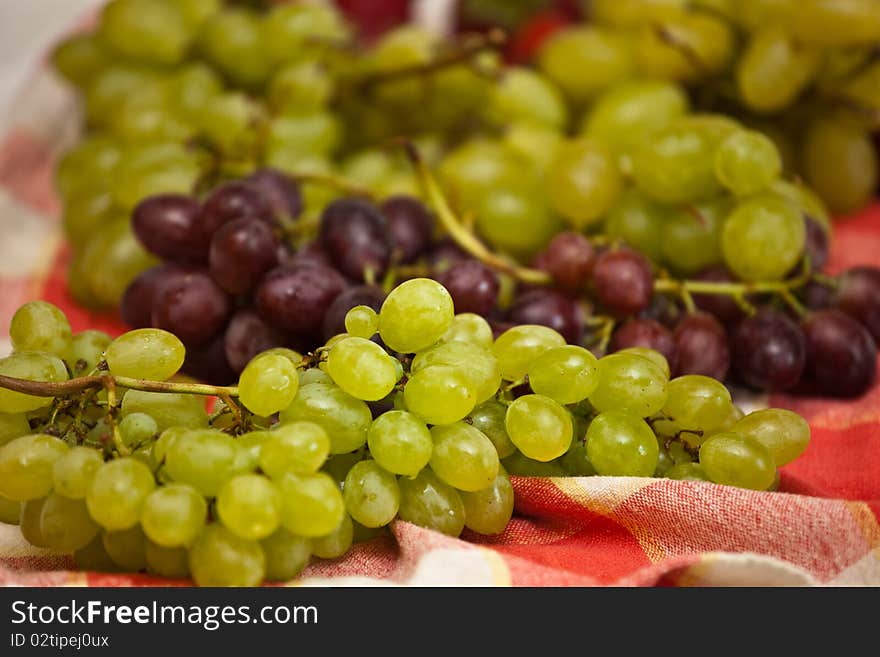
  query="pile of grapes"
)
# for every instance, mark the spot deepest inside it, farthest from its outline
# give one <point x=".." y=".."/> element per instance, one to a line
<point x="103" y="457"/>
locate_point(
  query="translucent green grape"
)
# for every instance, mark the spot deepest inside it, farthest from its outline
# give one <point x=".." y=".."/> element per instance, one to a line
<point x="415" y="315"/>
<point x="489" y="510"/>
<point x="523" y="94"/>
<point x="86" y="350"/>
<point x="167" y="409"/>
<point x="471" y="329"/>
<point x="784" y="433"/>
<point x="300" y="447"/>
<point x="10" y="511"/>
<point x="696" y="403"/>
<point x="489" y="418"/>
<point x="40" y="326"/>
<point x="519" y="346"/>
<point x="74" y="470"/>
<point x="479" y="365"/>
<point x="249" y="506"/>
<point x="146" y="354"/>
<point x="192" y="88"/>
<point x="565" y="374"/>
<point x="583" y="182"/>
<point x="170" y="562"/>
<point x="400" y="442"/>
<point x="534" y="142"/>
<point x="516" y="220"/>
<point x="33" y="366"/>
<point x="220" y="558"/>
<point x="747" y="162"/>
<point x="621" y="444"/>
<point x="173" y="515"/>
<point x="687" y="472"/>
<point x="371" y="494"/>
<point x="300" y="87"/>
<point x="685" y="46"/>
<point x="344" y="418"/>
<point x="654" y="356"/>
<point x="639" y="222"/>
<point x="692" y="236"/>
<point x="362" y="368"/>
<point x="440" y="395"/>
<point x="428" y="502"/>
<point x="65" y="524"/>
<point x="204" y="459"/>
<point x="126" y="548"/>
<point x="463" y="457"/>
<point x="286" y="555"/>
<point x="311" y="504"/>
<point x="26" y="466"/>
<point x="539" y="427"/>
<point x="79" y="58"/>
<point x="630" y="384"/>
<point x="736" y="460"/>
<point x="118" y="492"/>
<point x="335" y="545"/>
<point x="289" y="28"/>
<point x="231" y="40"/>
<point x="576" y="461"/>
<point x="29" y="522"/>
<point x="137" y="429"/>
<point x="13" y="425"/>
<point x="521" y="465"/>
<point x="147" y="31"/>
<point x="268" y="384"/>
<point x="227" y="123"/>
<point x="361" y="322"/>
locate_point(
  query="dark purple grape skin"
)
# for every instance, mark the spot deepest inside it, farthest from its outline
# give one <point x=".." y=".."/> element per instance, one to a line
<point x="136" y="306"/>
<point x="858" y="295"/>
<point x="410" y="225"/>
<point x="816" y="244"/>
<point x="841" y="354"/>
<point x="816" y="296"/>
<point x="295" y="298"/>
<point x="551" y="308"/>
<point x="623" y="281"/>
<point x="311" y="253"/>
<point x="208" y="363"/>
<point x="247" y="335"/>
<point x="167" y="225"/>
<point x="473" y="286"/>
<point x="569" y="259"/>
<point x="242" y="251"/>
<point x="359" y="295"/>
<point x="355" y="235"/>
<point x="721" y="306"/>
<point x="701" y="347"/>
<point x="231" y="201"/>
<point x="192" y="307"/>
<point x="281" y="192"/>
<point x="645" y="333"/>
<point x="445" y="254"/>
<point x="662" y="309"/>
<point x="768" y="351"/>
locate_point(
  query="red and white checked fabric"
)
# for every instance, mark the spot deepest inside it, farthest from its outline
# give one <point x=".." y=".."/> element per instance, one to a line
<point x="820" y="529"/>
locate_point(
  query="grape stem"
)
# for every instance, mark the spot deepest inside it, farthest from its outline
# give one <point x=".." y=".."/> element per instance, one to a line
<point x="110" y="386"/>
<point x="62" y="388"/>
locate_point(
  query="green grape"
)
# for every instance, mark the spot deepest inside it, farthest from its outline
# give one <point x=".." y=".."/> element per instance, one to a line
<point x="755" y="14"/>
<point x="654" y="356"/>
<point x="65" y="524"/>
<point x="192" y="88"/>
<point x="13" y="425"/>
<point x="335" y="545"/>
<point x="692" y="236"/>
<point x="91" y="159"/>
<point x="40" y="326"/>
<point x="539" y="427"/>
<point x="621" y="444"/>
<point x="736" y="460"/>
<point x="118" y="491"/>
<point x="583" y="182"/>
<point x="286" y="554"/>
<point x="138" y="429"/>
<point x="109" y="88"/>
<point x="763" y="238"/>
<point x="79" y="58"/>
<point x="86" y="209"/>
<point x="369" y="167"/>
<point x="126" y="548"/>
<point x="836" y="23"/>
<point x="399" y="48"/>
<point x="488" y="511"/>
<point x="576" y="461"/>
<point x="371" y="494"/>
<point x="300" y="447"/>
<point x="10" y="511"/>
<point x="639" y="222"/>
<point x="428" y="502"/>
<point x="26" y="466"/>
<point x="784" y="433"/>
<point x="33" y="366"/>
<point x="173" y="515"/>
<point x="167" y="409"/>
<point x="566" y="374"/>
<point x="629" y="112"/>
<point x="344" y="418"/>
<point x="632" y="13"/>
<point x="463" y="457"/>
<point x="338" y="466"/>
<point x="268" y="384"/>
<point x="73" y="472"/>
<point x="676" y="163"/>
<point x="687" y="472"/>
<point x="584" y="61"/>
<point x="471" y="329"/>
<point x="361" y="322"/>
<point x="148" y="31"/>
<point x="521" y="465"/>
<point x="249" y="506"/>
<point x="440" y="394"/>
<point x="228" y="122"/>
<point x="685" y="46"/>
<point x="300" y="87"/>
<point x="477" y="165"/>
<point x="840" y="163"/>
<point x="696" y="403"/>
<point x="400" y="442"/>
<point x="86" y="351"/>
<point x="489" y="417"/>
<point x="94" y="558"/>
<point x="747" y="162"/>
<point x="220" y="558"/>
<point x="204" y="459"/>
<point x="231" y="40"/>
<point x="293" y="356"/>
<point x="145" y="120"/>
<point x="516" y="220"/>
<point x="291" y="137"/>
<point x="145" y="353"/>
<point x="29" y="522"/>
<point x="774" y="70"/>
<point x="806" y="200"/>
<point x="251" y="446"/>
<point x="292" y="29"/>
<point x="415" y="315"/>
<point x="519" y="346"/>
<point x="311" y="504"/>
<point x="535" y="143"/>
<point x="523" y="94"/>
<point x="479" y="365"/>
<point x="170" y="562"/>
<point x="362" y="368"/>
<point x="629" y="383"/>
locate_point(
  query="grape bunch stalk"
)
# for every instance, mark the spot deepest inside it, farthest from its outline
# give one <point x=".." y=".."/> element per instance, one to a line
<point x="415" y="413"/>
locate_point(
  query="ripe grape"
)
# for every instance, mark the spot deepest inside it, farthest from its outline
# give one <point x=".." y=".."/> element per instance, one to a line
<point x="372" y="496"/>
<point x="747" y="162"/>
<point x="286" y="554"/>
<point x="784" y="433"/>
<point x="344" y="418"/>
<point x="478" y="365"/>
<point x="117" y="493"/>
<point x="335" y="544"/>
<point x="736" y="460"/>
<point x="463" y="457"/>
<point x="281" y="193"/>
<point x="621" y="444"/>
<point x="471" y="329"/>
<point x="629" y="383"/>
<point x="136" y="304"/>
<point x="247" y="335"/>
<point x="354" y="233"/>
<point x="359" y="295"/>
<point x="204" y="459"/>
<point x="300" y="447"/>
<point x="858" y="295"/>
<point x="549" y="308"/>
<point x="472" y="285"/>
<point x="165" y="561"/>
<point x="241" y="252"/>
<point x="168" y="227"/>
<point x="565" y="374"/>
<point x="65" y="524"/>
<point x="295" y="297"/>
<point x="646" y="333"/>
<point x="768" y="350"/>
<point x="311" y="504"/>
<point x="569" y="259"/>
<point x="145" y="353"/>
<point x="410" y="226"/>
<point x="539" y="427"/>
<point x="361" y="322"/>
<point x="415" y="315"/>
<point x="701" y="346"/>
<point x="696" y="403"/>
<point x="841" y="354"/>
<point x="583" y="182"/>
<point x="623" y="281"/>
<point x="220" y="558"/>
<point x="427" y="501"/>
<point x="173" y="515"/>
<point x="126" y="548"/>
<point x="268" y="384"/>
<point x="362" y="368"/>
<point x="86" y="351"/>
<point x="33" y="366"/>
<point x="518" y="347"/>
<point x="26" y="466"/>
<point x="440" y="394"/>
<point x="400" y="442"/>
<point x="191" y="306"/>
<point x="488" y="511"/>
<point x="40" y="326"/>
<point x="249" y="506"/>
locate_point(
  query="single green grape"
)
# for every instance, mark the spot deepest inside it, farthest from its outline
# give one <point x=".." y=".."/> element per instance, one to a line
<point x="471" y="329"/>
<point x="652" y="355"/>
<point x="361" y="322"/>
<point x="86" y="351"/>
<point x="692" y="236"/>
<point x="300" y="447"/>
<point x="172" y="562"/>
<point x="519" y="346"/>
<point x="118" y="491"/>
<point x="696" y="403"/>
<point x="362" y="368"/>
<point x="286" y="554"/>
<point x="836" y="23"/>
<point x="400" y="442"/>
<point x="311" y="504"/>
<point x="79" y="58"/>
<point x="251" y="446"/>
<point x="26" y="466"/>
<point x="517" y="220"/>
<point x="463" y="457"/>
<point x="736" y="460"/>
<point x="629" y="383"/>
<point x="522" y="466"/>
<point x="747" y="162"/>
<point x="65" y="524"/>
<point x="40" y="326"/>
<point x="440" y="394"/>
<point x="622" y="444"/>
<point x="536" y="143"/>
<point x="145" y="354"/>
<point x="489" y="417"/>
<point x="29" y="522"/>
<point x="415" y="315"/>
<point x="687" y="472"/>
<point x="220" y="558"/>
<point x="138" y="429"/>
<point x="167" y="409"/>
<point x="33" y="366"/>
<point x="74" y="470"/>
<point x="146" y="31"/>
<point x="249" y="506"/>
<point x="12" y="426"/>
<point x="294" y="30"/>
<point x="318" y="133"/>
<point x="228" y="121"/>
<point x="480" y="164"/>
<point x="539" y="427"/>
<point x="126" y="548"/>
<point x="335" y="545"/>
<point x="576" y="461"/>
<point x="479" y="365"/>
<point x="204" y="459"/>
<point x="488" y="511"/>
<point x="427" y="501"/>
<point x="300" y="87"/>
<point x="268" y="384"/>
<point x="231" y="40"/>
<point x="192" y="88"/>
<point x="565" y="374"/>
<point x="685" y="46"/>
<point x="583" y="182"/>
<point x="524" y="94"/>
<point x="371" y="494"/>
<point x="784" y="433"/>
<point x="173" y="515"/>
<point x="639" y="222"/>
<point x="344" y="418"/>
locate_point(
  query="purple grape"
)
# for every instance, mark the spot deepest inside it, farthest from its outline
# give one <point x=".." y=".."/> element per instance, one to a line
<point x="247" y="335"/>
<point x="168" y="226"/>
<point x="311" y="253"/>
<point x="445" y="254"/>
<point x="645" y="333"/>
<point x="768" y="350"/>
<point x="701" y="346"/>
<point x="191" y="306"/>
<point x="295" y="298"/>
<point x="281" y="192"/>
<point x="663" y="309"/>
<point x="355" y="236"/>
<point x="841" y="354"/>
<point x="816" y="244"/>
<point x="472" y="285"/>
<point x="721" y="306"/>
<point x="549" y="308"/>
<point x="410" y="225"/>
<point x="623" y="281"/>
<point x="231" y="201"/>
<point x="208" y="363"/>
<point x="359" y="295"/>
<point x="242" y="251"/>
<point x="858" y="295"/>
<point x="136" y="306"/>
<point x="816" y="296"/>
<point x="569" y="259"/>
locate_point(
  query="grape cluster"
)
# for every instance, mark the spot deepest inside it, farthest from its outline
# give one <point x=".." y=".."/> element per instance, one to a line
<point x="103" y="457"/>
